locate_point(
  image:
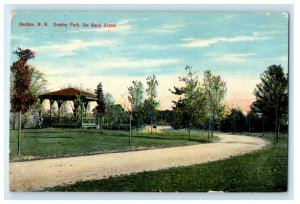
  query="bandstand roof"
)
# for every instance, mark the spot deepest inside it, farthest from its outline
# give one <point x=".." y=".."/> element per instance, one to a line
<point x="68" y="94"/>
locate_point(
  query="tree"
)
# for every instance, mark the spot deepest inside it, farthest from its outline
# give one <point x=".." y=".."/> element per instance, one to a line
<point x="238" y="120"/>
<point x="189" y="109"/>
<point x="109" y="106"/>
<point x="136" y="99"/>
<point x="272" y="96"/>
<point x="128" y="112"/>
<point x="151" y="103"/>
<point x="256" y="122"/>
<point x="100" y="108"/>
<point x="22" y="97"/>
<point x="37" y="86"/>
<point x="215" y="90"/>
<point x="38" y="81"/>
<point x="119" y="114"/>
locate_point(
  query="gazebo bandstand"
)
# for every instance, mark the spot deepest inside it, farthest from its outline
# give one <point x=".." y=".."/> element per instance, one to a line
<point x="79" y="98"/>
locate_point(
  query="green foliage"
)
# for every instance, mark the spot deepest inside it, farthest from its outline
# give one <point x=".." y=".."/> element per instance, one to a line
<point x="115" y="114"/>
<point x="25" y="119"/>
<point x="215" y="90"/>
<point x="189" y="110"/>
<point x="77" y="106"/>
<point x="235" y="121"/>
<point x="100" y="108"/>
<point x="136" y="99"/>
<point x="38" y="81"/>
<point x="136" y="94"/>
<point x="272" y="96"/>
<point x="152" y="85"/>
<point x="151" y="103"/>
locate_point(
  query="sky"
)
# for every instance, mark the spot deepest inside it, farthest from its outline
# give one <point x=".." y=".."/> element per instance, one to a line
<point x="236" y="46"/>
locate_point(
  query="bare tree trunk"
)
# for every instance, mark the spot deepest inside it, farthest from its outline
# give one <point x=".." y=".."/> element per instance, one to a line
<point x="107" y="122"/>
<point x="276" y="124"/>
<point x="209" y="123"/>
<point x="263" y="123"/>
<point x="130" y="132"/>
<point x="212" y="127"/>
<point x="99" y="122"/>
<point x="14" y="122"/>
<point x="278" y="130"/>
<point x="190" y="125"/>
<point x="249" y="126"/>
<point x="233" y="125"/>
<point x="19" y="133"/>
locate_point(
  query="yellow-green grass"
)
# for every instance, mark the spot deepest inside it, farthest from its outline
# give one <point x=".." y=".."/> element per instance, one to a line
<point x="60" y="142"/>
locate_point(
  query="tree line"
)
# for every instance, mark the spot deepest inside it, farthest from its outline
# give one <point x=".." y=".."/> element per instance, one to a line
<point x="200" y="105"/>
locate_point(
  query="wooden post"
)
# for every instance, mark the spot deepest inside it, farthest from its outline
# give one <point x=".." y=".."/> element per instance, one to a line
<point x="81" y="113"/>
<point x="130" y="131"/>
<point x="59" y="103"/>
<point x="51" y="103"/>
<point x="249" y="126"/>
<point x="14" y="124"/>
<point x="263" y="127"/>
<point x="85" y="107"/>
<point x="19" y="133"/>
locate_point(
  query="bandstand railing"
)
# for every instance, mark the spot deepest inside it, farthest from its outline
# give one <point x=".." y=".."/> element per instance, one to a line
<point x="69" y="122"/>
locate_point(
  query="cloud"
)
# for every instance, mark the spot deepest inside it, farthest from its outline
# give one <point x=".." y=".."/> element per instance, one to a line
<point x="124" y="21"/>
<point x="233" y="58"/>
<point x="166" y="28"/>
<point x="19" y="37"/>
<point x="69" y="48"/>
<point x="285" y="14"/>
<point x="62" y="70"/>
<point x="228" y="17"/>
<point x="141" y="63"/>
<point x="154" y="46"/>
<point x="283" y="58"/>
<point x="194" y="42"/>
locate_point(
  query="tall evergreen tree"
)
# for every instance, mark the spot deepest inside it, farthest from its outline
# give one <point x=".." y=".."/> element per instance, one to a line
<point x="100" y="108"/>
<point x="272" y="96"/>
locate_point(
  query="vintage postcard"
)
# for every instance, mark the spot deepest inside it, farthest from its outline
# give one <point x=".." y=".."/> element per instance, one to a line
<point x="148" y="101"/>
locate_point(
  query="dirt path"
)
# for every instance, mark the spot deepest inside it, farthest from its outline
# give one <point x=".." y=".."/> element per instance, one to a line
<point x="35" y="175"/>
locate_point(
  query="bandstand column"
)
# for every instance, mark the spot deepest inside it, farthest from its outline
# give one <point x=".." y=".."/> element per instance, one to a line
<point x="85" y="107"/>
<point x="59" y="103"/>
<point x="51" y="103"/>
<point x="81" y="112"/>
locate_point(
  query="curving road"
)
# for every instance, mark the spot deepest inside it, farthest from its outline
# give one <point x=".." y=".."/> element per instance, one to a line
<point x="35" y="175"/>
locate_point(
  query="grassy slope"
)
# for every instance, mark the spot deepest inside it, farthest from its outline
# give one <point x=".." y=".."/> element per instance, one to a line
<point x="261" y="171"/>
<point x="50" y="142"/>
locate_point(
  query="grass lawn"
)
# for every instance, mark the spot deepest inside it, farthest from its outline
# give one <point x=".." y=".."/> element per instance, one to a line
<point x="261" y="171"/>
<point x="58" y="142"/>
